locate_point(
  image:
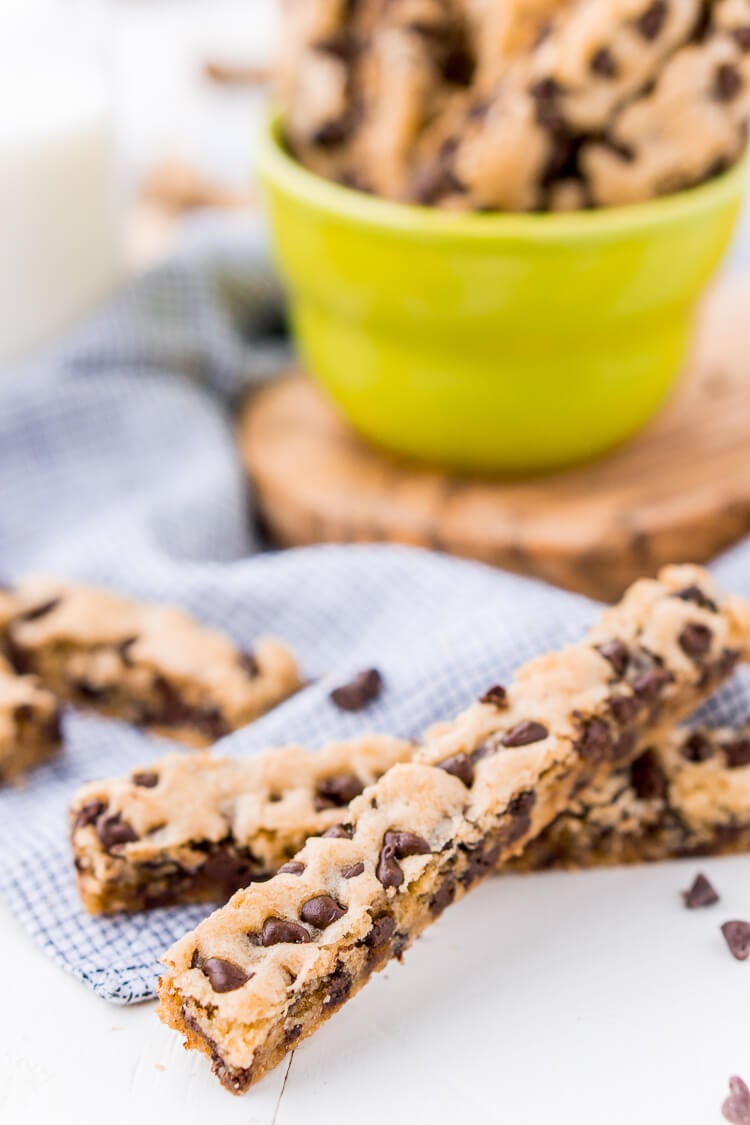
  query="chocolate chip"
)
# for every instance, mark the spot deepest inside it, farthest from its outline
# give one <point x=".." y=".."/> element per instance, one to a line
<point x="649" y="685"/>
<point x="647" y="777"/>
<point x="337" y="791"/>
<point x="333" y="134"/>
<point x="40" y="610"/>
<point x="695" y="595"/>
<point x="22" y="712"/>
<point x="480" y="861"/>
<point x="736" y="1108"/>
<point x="727" y="83"/>
<point x="338" y="987"/>
<point x="321" y="911"/>
<point x="700" y="893"/>
<point x="231" y="868"/>
<point x="496" y="695"/>
<point x="293" y="868"/>
<point x="146" y="779"/>
<point x="594" y="741"/>
<point x="737" y="937"/>
<point x="87" y="690"/>
<point x="741" y="36"/>
<point x="381" y="932"/>
<point x="124" y="650"/>
<point x="363" y="689"/>
<point x="339" y="832"/>
<point x="249" y="664"/>
<point x="88" y="814"/>
<point x="443" y="897"/>
<point x="695" y="640"/>
<point x="697" y="748"/>
<point x="624" y="708"/>
<point x="396" y="846"/>
<point x="353" y="871"/>
<point x="224" y="976"/>
<point x="114" y="832"/>
<point x="603" y="63"/>
<point x="460" y="766"/>
<point x="292" y="1034"/>
<point x="519" y="810"/>
<point x="523" y="734"/>
<point x="737" y="753"/>
<point x="616" y="652"/>
<point x="277" y="931"/>
<point x="651" y="22"/>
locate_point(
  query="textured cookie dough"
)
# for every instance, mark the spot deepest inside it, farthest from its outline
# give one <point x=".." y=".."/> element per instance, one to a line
<point x="29" y="724"/>
<point x="264" y="971"/>
<point x="146" y="664"/>
<point x="196" y="828"/>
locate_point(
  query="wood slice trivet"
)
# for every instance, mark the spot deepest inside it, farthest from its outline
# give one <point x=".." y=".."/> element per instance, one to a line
<point x="679" y="491"/>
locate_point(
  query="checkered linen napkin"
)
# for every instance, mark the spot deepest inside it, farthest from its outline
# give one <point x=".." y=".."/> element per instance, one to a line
<point x="117" y="466"/>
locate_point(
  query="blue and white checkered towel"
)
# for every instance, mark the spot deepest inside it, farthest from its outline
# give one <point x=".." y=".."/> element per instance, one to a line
<point x="117" y="466"/>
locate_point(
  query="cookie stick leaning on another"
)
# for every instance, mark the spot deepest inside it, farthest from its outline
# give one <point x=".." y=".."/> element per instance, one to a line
<point x="147" y="664"/>
<point x="280" y="957"/>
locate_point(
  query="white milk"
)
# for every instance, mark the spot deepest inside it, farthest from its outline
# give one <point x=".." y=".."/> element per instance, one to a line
<point x="58" y="245"/>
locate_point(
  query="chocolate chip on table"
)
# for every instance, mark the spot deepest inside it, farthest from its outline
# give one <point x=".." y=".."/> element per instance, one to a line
<point x="249" y="664"/>
<point x="146" y="779"/>
<point x="727" y="83"/>
<point x="353" y="871"/>
<point x="382" y="931"/>
<point x="700" y="893"/>
<point x="737" y="936"/>
<point x="321" y="911"/>
<point x="40" y="610"/>
<point x="294" y="867"/>
<point x="616" y="652"/>
<point x="697" y="748"/>
<point x="647" y="777"/>
<point x="460" y="766"/>
<point x="695" y="595"/>
<point x="363" y="689"/>
<point x="603" y="63"/>
<point x="339" y="832"/>
<point x="737" y="753"/>
<point x="224" y="976"/>
<point x="651" y="22"/>
<point x="337" y="791"/>
<point x="277" y="931"/>
<point x="88" y="814"/>
<point x="524" y="733"/>
<point x="736" y="1108"/>
<point x="396" y="846"/>
<point x="695" y="640"/>
<point x="496" y="695"/>
<point x="114" y="832"/>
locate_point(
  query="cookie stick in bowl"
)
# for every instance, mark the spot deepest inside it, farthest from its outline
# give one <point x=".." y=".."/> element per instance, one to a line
<point x="147" y="664"/>
<point x="280" y="957"/>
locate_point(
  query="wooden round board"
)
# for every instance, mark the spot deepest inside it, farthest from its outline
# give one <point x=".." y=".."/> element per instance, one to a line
<point x="679" y="491"/>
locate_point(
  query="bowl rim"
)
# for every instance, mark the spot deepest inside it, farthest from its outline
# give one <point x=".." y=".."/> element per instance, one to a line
<point x="278" y="168"/>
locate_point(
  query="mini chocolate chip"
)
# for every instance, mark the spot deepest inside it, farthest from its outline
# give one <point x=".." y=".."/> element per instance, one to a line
<point x="737" y="937"/>
<point x="695" y="595"/>
<point x="496" y="695"/>
<point x="700" y="893"/>
<point x="114" y="832"/>
<point x="480" y="861"/>
<point x="737" y="753"/>
<point x="339" y="832"/>
<point x="460" y="766"/>
<point x="337" y="791"/>
<point x="88" y="814"/>
<point x="353" y="871"/>
<point x="338" y="987"/>
<point x="616" y="652"/>
<point x="382" y="931"/>
<point x="736" y="1108"/>
<point x="603" y="63"/>
<point x="224" y="976"/>
<point x="651" y="22"/>
<point x="741" y="36"/>
<point x="396" y="846"/>
<point x="697" y="748"/>
<point x="277" y="931"/>
<point x="363" y="689"/>
<point x="124" y="650"/>
<point x="146" y="779"/>
<point x="695" y="640"/>
<point x="624" y="708"/>
<point x="40" y="610"/>
<point x="648" y="686"/>
<point x="321" y="911"/>
<point x="292" y="868"/>
<point x="728" y="83"/>
<point x="249" y="664"/>
<point x="443" y="897"/>
<point x="523" y="734"/>
<point x="647" y="777"/>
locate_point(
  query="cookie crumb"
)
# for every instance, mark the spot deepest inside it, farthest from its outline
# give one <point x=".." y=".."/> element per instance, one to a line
<point x="737" y="937"/>
<point x="701" y="893"/>
<point x="736" y="1108"/>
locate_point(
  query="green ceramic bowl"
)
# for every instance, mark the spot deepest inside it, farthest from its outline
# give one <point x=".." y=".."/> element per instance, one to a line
<point x="497" y="342"/>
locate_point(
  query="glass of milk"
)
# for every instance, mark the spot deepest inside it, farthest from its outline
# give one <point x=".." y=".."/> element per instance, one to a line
<point x="58" y="234"/>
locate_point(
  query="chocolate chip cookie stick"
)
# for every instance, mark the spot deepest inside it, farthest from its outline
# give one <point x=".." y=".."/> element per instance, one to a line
<point x="196" y="828"/>
<point x="264" y="971"/>
<point x="29" y="724"/>
<point x="147" y="664"/>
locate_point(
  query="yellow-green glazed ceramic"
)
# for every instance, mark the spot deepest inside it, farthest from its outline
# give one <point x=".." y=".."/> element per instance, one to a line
<point x="497" y="342"/>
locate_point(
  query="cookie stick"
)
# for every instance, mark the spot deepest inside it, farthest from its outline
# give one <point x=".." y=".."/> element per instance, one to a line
<point x="29" y="724"/>
<point x="147" y="664"/>
<point x="280" y="957"/>
<point x="196" y="828"/>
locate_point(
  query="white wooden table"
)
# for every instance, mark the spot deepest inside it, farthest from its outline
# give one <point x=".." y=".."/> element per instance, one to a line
<point x="592" y="999"/>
